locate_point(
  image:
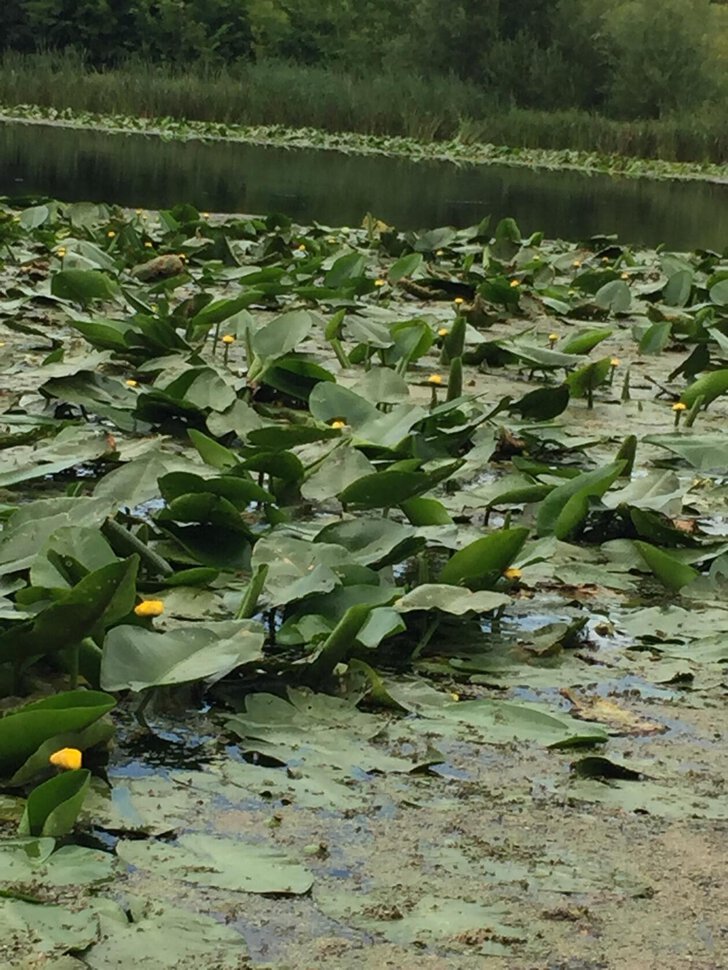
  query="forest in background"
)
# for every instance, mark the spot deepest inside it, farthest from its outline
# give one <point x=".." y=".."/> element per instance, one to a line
<point x="630" y="58"/>
<point x="612" y="76"/>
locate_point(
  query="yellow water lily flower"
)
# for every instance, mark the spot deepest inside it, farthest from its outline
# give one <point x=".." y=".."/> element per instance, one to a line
<point x="61" y="252"/>
<point x="148" y="245"/>
<point x="70" y="759"/>
<point x="576" y="264"/>
<point x="228" y="339"/>
<point x="132" y="383"/>
<point x="111" y="233"/>
<point x="625" y="276"/>
<point x="513" y="573"/>
<point x="435" y="379"/>
<point x="149" y="608"/>
<point x="459" y="300"/>
<point x="615" y="362"/>
<point x="679" y="406"/>
<point x="338" y="424"/>
<point x="380" y="282"/>
<point x="443" y="332"/>
<point x="515" y="283"/>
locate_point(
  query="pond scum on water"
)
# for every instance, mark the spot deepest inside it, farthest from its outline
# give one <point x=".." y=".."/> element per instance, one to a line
<point x="363" y="594"/>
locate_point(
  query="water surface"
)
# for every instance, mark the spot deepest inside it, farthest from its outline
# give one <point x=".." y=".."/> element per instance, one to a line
<point x="338" y="189"/>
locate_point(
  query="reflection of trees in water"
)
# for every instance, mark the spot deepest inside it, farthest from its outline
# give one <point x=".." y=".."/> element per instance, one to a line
<point x="338" y="189"/>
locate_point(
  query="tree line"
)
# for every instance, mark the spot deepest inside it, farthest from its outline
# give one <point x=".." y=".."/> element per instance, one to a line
<point x="628" y="58"/>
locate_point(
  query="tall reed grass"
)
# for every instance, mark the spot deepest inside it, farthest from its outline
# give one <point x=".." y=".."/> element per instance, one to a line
<point x="388" y="103"/>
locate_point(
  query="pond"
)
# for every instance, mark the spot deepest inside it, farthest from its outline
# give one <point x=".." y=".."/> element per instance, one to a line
<point x="333" y="188"/>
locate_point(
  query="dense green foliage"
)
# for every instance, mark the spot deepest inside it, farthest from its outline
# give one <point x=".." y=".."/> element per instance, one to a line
<point x="615" y="57"/>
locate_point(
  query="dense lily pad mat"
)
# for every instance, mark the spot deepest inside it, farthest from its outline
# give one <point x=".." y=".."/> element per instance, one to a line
<point x="431" y="525"/>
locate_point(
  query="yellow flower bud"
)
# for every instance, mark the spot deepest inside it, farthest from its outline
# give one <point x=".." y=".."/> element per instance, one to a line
<point x="459" y="300"/>
<point x="380" y="282"/>
<point x="149" y="608"/>
<point x="515" y="283"/>
<point x="111" y="233"/>
<point x="435" y="378"/>
<point x="338" y="424"/>
<point x="443" y="332"/>
<point x="679" y="406"/>
<point x="615" y="362"/>
<point x="512" y="573"/>
<point x="132" y="383"/>
<point x="148" y="245"/>
<point x="70" y="759"/>
<point x="228" y="339"/>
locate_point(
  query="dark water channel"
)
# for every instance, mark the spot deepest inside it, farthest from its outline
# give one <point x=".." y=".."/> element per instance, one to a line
<point x="337" y="189"/>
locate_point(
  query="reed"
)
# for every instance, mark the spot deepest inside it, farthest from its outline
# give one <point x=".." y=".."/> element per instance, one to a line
<point x="387" y="103"/>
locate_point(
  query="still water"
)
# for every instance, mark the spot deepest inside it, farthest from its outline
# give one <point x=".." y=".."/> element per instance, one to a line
<point x="337" y="189"/>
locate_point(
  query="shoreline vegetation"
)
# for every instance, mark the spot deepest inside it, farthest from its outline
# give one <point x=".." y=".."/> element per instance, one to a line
<point x="457" y="150"/>
<point x="414" y="111"/>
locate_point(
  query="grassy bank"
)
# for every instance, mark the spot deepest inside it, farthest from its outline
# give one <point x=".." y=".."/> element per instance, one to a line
<point x="455" y="150"/>
<point x="435" y="109"/>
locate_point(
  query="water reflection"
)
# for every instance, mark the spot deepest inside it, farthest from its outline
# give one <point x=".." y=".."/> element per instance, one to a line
<point x="339" y="189"/>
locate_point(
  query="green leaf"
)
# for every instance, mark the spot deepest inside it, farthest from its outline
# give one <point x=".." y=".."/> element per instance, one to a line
<point x="678" y="288"/>
<point x="329" y="402"/>
<point x="103" y="597"/>
<point x="671" y="573"/>
<point x="385" y="489"/>
<point x="159" y="936"/>
<point x="341" y="467"/>
<point x="426" y="511"/>
<point x="219" y="310"/>
<point x="589" y="484"/>
<point x="583" y="381"/>
<point x="373" y="542"/>
<point x="405" y="266"/>
<point x="614" y="296"/>
<point x="228" y="864"/>
<point x="656" y="338"/>
<point x="83" y="286"/>
<point x="719" y="293"/>
<point x="25" y="729"/>
<point x="704" y="451"/>
<point x="205" y="508"/>
<point x="584" y="341"/>
<point x="450" y="599"/>
<point x="282" y="334"/>
<point x="53" y="929"/>
<point x="346" y="268"/>
<point x="211" y="452"/>
<point x="481" y="564"/>
<point x="24" y="860"/>
<point x="52" y="808"/>
<point x="544" y="403"/>
<point x="236" y="489"/>
<point x="709" y="387"/>
<point x="135" y="658"/>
